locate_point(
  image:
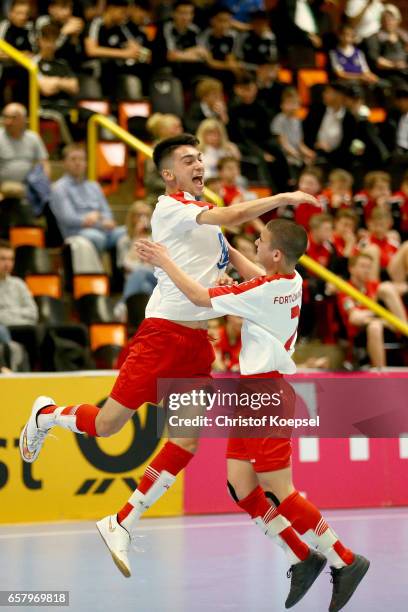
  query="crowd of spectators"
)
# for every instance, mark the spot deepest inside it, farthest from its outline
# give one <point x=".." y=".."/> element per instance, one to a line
<point x="257" y="135"/>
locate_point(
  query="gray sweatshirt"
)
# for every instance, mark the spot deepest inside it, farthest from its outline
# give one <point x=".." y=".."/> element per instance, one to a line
<point x="17" y="306"/>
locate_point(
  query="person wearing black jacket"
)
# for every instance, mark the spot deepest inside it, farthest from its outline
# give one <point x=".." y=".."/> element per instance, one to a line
<point x="249" y="127"/>
<point x="329" y="128"/>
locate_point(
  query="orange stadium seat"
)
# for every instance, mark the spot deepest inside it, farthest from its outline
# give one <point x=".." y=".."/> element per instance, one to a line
<point x="103" y="334"/>
<point x="306" y="79"/>
<point x="320" y="60"/>
<point x="44" y="284"/>
<point x="377" y="115"/>
<point x="27" y="236"/>
<point x="285" y="76"/>
<point x="85" y="284"/>
<point x="111" y="164"/>
<point x="102" y="107"/>
<point x="302" y="113"/>
<point x="127" y="110"/>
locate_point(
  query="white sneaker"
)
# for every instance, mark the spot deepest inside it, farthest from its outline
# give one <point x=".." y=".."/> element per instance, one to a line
<point x="117" y="539"/>
<point x="32" y="437"/>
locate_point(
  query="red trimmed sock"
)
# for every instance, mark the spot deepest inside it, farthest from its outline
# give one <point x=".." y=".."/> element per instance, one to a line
<point x="275" y="526"/>
<point x="306" y="518"/>
<point x="80" y="418"/>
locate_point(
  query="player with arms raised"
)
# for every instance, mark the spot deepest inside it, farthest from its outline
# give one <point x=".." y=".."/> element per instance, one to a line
<point x="172" y="341"/>
<point x="259" y="469"/>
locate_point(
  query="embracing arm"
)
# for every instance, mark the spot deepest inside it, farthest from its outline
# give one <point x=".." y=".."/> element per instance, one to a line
<point x="246" y="211"/>
<point x="156" y="254"/>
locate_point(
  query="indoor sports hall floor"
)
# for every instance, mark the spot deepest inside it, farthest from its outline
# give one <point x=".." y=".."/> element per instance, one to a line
<point x="200" y="564"/>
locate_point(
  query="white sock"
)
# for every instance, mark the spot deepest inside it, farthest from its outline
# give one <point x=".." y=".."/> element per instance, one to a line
<point x="272" y="529"/>
<point x="67" y="421"/>
<point x="142" y="501"/>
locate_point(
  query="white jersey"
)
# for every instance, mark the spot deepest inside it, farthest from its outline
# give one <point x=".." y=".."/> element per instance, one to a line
<point x="270" y="307"/>
<point x="199" y="250"/>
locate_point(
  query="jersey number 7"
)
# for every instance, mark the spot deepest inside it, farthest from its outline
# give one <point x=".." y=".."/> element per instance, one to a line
<point x="294" y="314"/>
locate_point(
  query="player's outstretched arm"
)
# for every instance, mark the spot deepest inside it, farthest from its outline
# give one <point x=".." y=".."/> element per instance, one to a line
<point x="246" y="211"/>
<point x="157" y="255"/>
<point x="244" y="266"/>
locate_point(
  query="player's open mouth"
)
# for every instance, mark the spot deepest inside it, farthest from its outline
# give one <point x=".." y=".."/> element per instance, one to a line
<point x="198" y="180"/>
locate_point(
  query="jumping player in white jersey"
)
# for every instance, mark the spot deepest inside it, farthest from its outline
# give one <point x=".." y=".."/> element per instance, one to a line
<point x="259" y="469"/>
<point x="172" y="342"/>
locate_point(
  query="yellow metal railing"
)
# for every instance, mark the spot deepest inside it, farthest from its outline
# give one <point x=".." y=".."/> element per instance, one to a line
<point x="128" y="139"/>
<point x="34" y="92"/>
<point x="306" y="261"/>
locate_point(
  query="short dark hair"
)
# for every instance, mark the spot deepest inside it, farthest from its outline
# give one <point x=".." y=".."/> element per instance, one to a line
<point x="50" y="31"/>
<point x="167" y="146"/>
<point x="289" y="237"/>
<point x="226" y="160"/>
<point x="245" y="78"/>
<point x="6" y="245"/>
<point x="183" y="3"/>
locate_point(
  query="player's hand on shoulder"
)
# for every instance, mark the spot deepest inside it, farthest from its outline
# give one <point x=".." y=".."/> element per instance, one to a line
<point x="152" y="252"/>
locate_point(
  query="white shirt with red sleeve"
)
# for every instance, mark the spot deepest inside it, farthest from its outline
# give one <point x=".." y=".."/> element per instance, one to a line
<point x="199" y="250"/>
<point x="270" y="307"/>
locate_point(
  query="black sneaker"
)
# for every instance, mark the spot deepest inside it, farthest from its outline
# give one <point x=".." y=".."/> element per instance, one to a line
<point x="303" y="575"/>
<point x="345" y="581"/>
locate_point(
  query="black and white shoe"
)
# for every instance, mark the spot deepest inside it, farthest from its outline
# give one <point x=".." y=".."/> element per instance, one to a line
<point x="303" y="575"/>
<point x="345" y="581"/>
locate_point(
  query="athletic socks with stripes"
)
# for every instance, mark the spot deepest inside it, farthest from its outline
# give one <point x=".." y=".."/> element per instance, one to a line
<point x="157" y="479"/>
<point x="79" y="419"/>
<point x="296" y="515"/>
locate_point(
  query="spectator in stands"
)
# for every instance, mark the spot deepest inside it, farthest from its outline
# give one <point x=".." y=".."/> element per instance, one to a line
<point x="395" y="131"/>
<point x="160" y="126"/>
<point x="320" y="246"/>
<point x="339" y="192"/>
<point x="139" y="277"/>
<point x="14" y="208"/>
<point x="243" y="10"/>
<point x="228" y="345"/>
<point x="17" y="30"/>
<point x="20" y="148"/>
<point x="364" y="16"/>
<point x="108" y="41"/>
<point x="364" y="328"/>
<point x="344" y="240"/>
<point x="329" y="128"/>
<point x="401" y="199"/>
<point x="209" y="103"/>
<point x="18" y="311"/>
<point x="311" y="182"/>
<point x="387" y="49"/>
<point x="249" y="128"/>
<point x="69" y="44"/>
<point x="79" y="205"/>
<point x="376" y="193"/>
<point x="347" y="61"/>
<point x="220" y="42"/>
<point x="258" y="46"/>
<point x="297" y="32"/>
<point x="214" y="145"/>
<point x="288" y="128"/>
<point x="381" y="242"/>
<point x="229" y="172"/>
<point x="57" y="81"/>
<point x="177" y="43"/>
<point x="138" y="16"/>
<point x="270" y="88"/>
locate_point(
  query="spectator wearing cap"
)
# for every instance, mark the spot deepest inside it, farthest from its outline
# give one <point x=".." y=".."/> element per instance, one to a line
<point x="109" y="43"/>
<point x="209" y="104"/>
<point x="258" y="45"/>
<point x="220" y="40"/>
<point x="387" y="49"/>
<point x="329" y="128"/>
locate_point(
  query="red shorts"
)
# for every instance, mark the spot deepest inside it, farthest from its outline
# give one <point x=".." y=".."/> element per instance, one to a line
<point x="265" y="454"/>
<point x="161" y="349"/>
